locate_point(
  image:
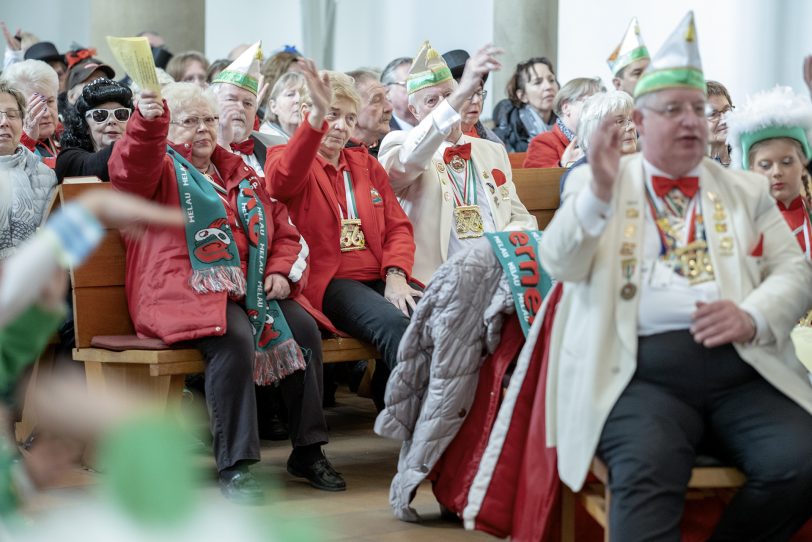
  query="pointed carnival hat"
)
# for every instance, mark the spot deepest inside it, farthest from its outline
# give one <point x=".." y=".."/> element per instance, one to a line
<point x="769" y="114"/>
<point x="244" y="71"/>
<point x="428" y="69"/>
<point x="676" y="64"/>
<point x="630" y="49"/>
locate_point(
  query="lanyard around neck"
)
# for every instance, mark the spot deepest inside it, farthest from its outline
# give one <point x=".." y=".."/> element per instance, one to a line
<point x="464" y="189"/>
<point x="349" y="193"/>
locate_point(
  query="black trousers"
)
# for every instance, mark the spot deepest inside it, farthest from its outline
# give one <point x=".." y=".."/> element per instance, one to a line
<point x="685" y="397"/>
<point x="229" y="385"/>
<point x="360" y="310"/>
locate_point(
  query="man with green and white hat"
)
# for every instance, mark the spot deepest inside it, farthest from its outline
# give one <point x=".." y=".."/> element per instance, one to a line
<point x="453" y="187"/>
<point x="629" y="59"/>
<point x="236" y="89"/>
<point x="688" y="282"/>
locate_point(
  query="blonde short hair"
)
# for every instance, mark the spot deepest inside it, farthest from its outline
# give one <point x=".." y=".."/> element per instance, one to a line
<point x="181" y="96"/>
<point x="341" y="85"/>
<point x="576" y="89"/>
<point x="596" y="108"/>
<point x="32" y="75"/>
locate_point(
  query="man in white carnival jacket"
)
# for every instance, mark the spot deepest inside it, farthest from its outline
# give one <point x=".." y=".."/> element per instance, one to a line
<point x="453" y="187"/>
<point x="682" y="283"/>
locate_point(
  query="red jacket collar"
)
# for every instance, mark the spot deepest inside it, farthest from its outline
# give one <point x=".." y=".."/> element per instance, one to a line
<point x="795" y="204"/>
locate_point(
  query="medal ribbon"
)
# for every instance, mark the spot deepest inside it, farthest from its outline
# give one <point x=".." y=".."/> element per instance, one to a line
<point x="668" y="238"/>
<point x="349" y="192"/>
<point x="465" y="191"/>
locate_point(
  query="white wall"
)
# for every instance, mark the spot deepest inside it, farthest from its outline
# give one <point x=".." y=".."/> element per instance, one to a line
<point x="57" y="21"/>
<point x="748" y="45"/>
<point x="232" y="22"/>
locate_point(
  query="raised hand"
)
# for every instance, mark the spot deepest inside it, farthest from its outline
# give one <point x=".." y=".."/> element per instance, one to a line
<point x="149" y="105"/>
<point x="321" y="94"/>
<point x="604" y="158"/>
<point x="35" y="111"/>
<point x="572" y="153"/>
<point x="11" y="42"/>
<point x="226" y="133"/>
<point x="477" y="67"/>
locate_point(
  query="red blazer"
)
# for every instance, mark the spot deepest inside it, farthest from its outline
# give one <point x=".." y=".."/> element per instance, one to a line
<point x="161" y="302"/>
<point x="294" y="176"/>
<point x="546" y="149"/>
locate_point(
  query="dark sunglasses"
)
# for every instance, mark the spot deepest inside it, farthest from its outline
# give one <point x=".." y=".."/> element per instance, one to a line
<point x="122" y="114"/>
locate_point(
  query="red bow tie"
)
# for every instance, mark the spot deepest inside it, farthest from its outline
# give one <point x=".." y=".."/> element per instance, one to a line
<point x="463" y="151"/>
<point x="664" y="185"/>
<point x="246" y="147"/>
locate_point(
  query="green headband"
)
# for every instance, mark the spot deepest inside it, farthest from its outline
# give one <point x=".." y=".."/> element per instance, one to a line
<point x="773" y="132"/>
<point x="670" y="78"/>
<point x="238" y="79"/>
<point x="625" y="60"/>
<point x="426" y="79"/>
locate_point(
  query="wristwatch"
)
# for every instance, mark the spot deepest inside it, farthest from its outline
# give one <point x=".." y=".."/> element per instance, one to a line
<point x="395" y="271"/>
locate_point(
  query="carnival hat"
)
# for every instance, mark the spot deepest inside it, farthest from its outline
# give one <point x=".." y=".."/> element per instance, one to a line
<point x="428" y="69"/>
<point x="630" y="49"/>
<point x="769" y="114"/>
<point x="677" y="64"/>
<point x="244" y="71"/>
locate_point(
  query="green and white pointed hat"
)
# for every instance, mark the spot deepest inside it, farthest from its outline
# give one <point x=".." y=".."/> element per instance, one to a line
<point x="770" y="114"/>
<point x="428" y="69"/>
<point x="630" y="49"/>
<point x="244" y="71"/>
<point x="677" y="64"/>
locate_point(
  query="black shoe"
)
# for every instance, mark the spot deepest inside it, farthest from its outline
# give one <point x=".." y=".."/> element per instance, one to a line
<point x="273" y="429"/>
<point x="242" y="488"/>
<point x="320" y="473"/>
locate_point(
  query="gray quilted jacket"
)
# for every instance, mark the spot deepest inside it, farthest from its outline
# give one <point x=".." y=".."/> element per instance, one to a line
<point x="430" y="391"/>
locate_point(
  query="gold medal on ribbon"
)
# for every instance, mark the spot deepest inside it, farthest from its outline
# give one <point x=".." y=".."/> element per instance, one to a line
<point x="352" y="236"/>
<point x="457" y="163"/>
<point x="695" y="263"/>
<point x="468" y="221"/>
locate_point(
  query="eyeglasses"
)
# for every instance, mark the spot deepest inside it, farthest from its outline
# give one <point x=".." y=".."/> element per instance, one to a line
<point x="194" y="122"/>
<point x="482" y="94"/>
<point x="624" y="123"/>
<point x="12" y="114"/>
<point x="675" y="110"/>
<point x="716" y="114"/>
<point x="121" y="114"/>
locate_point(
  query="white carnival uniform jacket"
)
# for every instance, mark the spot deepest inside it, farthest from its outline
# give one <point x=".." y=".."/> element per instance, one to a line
<point x="594" y="339"/>
<point x="419" y="179"/>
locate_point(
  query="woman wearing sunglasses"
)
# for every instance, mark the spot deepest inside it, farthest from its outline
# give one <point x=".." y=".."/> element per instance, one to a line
<point x="96" y="121"/>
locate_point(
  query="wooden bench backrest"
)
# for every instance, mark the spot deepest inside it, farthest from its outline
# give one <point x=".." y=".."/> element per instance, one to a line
<point x="517" y="159"/>
<point x="539" y="191"/>
<point x="99" y="301"/>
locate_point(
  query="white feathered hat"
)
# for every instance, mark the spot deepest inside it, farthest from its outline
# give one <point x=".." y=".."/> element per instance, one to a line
<point x="769" y="114"/>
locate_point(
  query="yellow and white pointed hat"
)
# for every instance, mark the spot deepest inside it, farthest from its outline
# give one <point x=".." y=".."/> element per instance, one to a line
<point x="677" y="64"/>
<point x="630" y="49"/>
<point x="428" y="69"/>
<point x="244" y="71"/>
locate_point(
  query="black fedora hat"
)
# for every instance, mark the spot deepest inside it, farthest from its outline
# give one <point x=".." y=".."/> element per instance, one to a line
<point x="456" y="63"/>
<point x="43" y="50"/>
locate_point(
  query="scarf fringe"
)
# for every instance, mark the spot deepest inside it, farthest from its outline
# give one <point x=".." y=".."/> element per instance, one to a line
<point x="273" y="365"/>
<point x="218" y="279"/>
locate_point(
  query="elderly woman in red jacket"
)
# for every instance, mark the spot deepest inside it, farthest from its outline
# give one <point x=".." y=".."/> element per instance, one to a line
<point x="361" y="241"/>
<point x="229" y="284"/>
